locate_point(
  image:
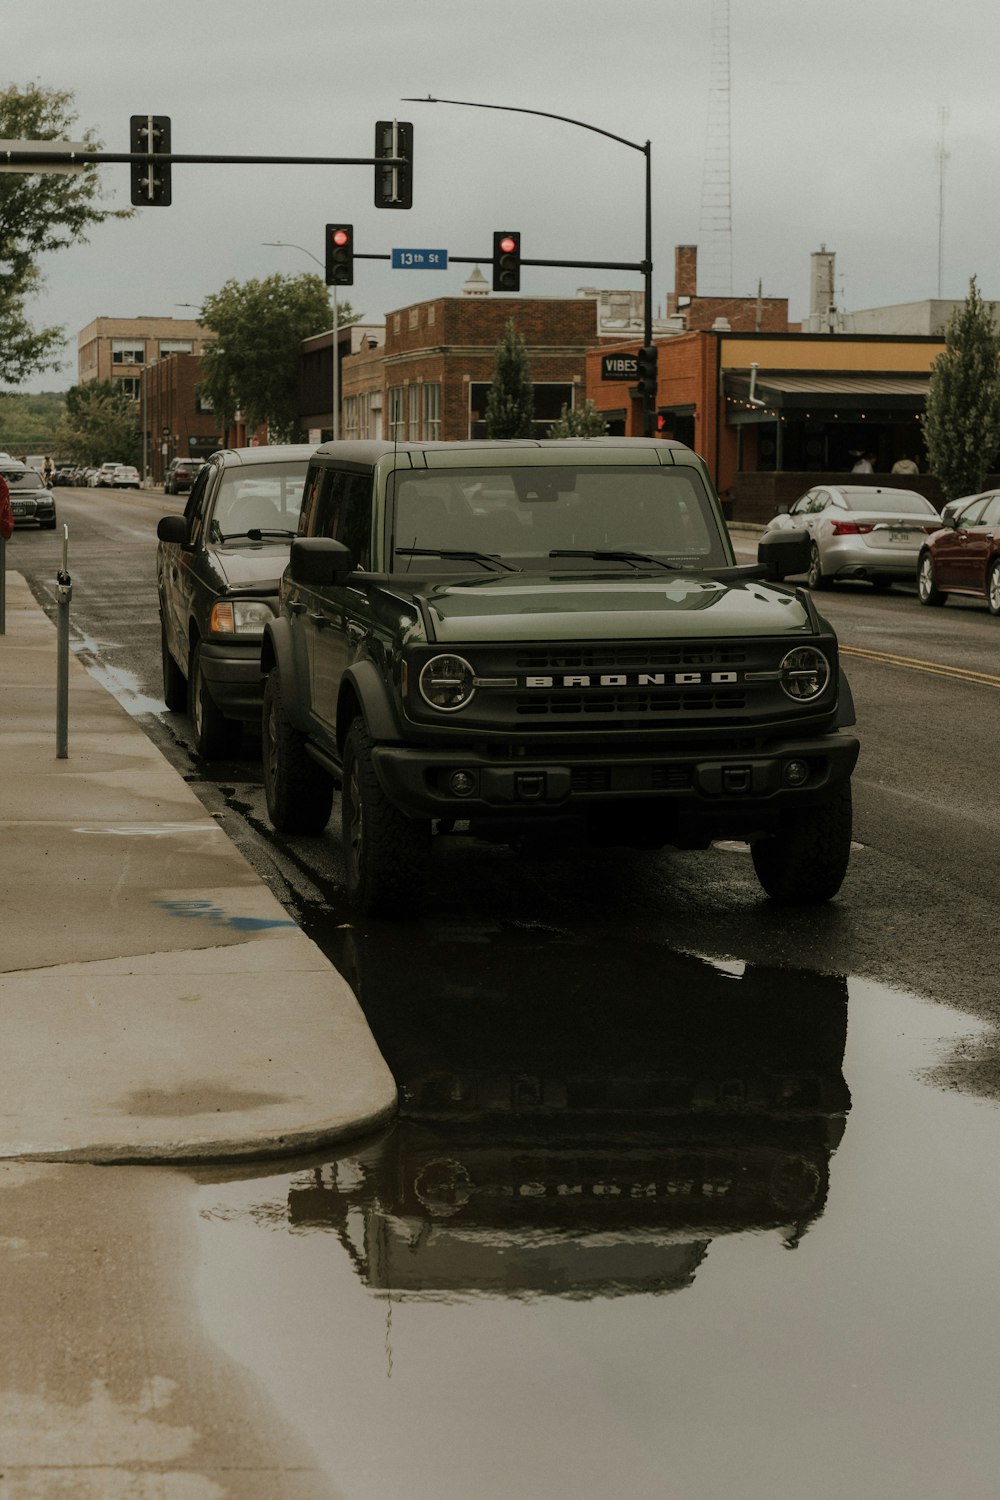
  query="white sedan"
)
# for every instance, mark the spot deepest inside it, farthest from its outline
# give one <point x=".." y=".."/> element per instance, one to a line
<point x="860" y="531"/>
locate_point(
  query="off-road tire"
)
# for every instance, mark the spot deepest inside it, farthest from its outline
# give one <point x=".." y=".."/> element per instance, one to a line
<point x="174" y="682"/>
<point x="215" y="736"/>
<point x="385" y="852"/>
<point x="806" y="861"/>
<point x="927" y="589"/>
<point x="299" y="793"/>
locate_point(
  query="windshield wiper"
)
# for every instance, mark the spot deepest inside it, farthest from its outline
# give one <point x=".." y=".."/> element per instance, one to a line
<point x="488" y="559"/>
<point x="603" y="555"/>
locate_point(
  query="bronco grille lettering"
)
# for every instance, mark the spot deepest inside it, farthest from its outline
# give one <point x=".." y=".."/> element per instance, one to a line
<point x="631" y="679"/>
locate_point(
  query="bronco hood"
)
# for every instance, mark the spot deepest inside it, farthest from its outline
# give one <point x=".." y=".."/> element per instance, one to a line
<point x="661" y="606"/>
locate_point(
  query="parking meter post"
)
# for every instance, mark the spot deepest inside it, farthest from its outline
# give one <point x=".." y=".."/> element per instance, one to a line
<point x="64" y="593"/>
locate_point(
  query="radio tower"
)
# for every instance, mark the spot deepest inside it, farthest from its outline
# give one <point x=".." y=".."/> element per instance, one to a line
<point x="942" y="158"/>
<point x="715" y="226"/>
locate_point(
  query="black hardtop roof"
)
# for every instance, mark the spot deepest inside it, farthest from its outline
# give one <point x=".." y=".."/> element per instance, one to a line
<point x="371" y="451"/>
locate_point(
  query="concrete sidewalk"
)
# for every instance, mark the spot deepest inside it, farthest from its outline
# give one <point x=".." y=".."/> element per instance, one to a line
<point x="156" y="1002"/>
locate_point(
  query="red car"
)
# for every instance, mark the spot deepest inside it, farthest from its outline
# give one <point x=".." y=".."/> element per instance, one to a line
<point x="964" y="556"/>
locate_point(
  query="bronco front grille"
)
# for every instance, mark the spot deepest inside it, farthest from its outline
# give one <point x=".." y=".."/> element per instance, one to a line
<point x="540" y="705"/>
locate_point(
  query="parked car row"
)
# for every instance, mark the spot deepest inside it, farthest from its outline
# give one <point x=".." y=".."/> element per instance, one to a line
<point x="889" y="535"/>
<point x="31" y="500"/>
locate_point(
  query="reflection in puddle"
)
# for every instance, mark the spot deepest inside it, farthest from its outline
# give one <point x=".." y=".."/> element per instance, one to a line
<point x="475" y="1302"/>
<point x="550" y="1166"/>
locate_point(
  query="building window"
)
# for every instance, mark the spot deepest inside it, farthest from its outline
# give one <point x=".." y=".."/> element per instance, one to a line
<point x="176" y="346"/>
<point x="430" y="314"/>
<point x="395" y="322"/>
<point x="397" y="428"/>
<point x="432" y="411"/>
<point x="130" y="385"/>
<point x="127" y="352"/>
<point x="201" y="401"/>
<point x="550" y="398"/>
<point x="350" y="417"/>
<point x="414" y="413"/>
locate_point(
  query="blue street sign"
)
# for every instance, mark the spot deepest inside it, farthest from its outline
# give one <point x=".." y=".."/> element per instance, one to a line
<point x="420" y="260"/>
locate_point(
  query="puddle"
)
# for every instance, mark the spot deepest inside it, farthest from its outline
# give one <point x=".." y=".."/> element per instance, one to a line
<point x="718" y="1233"/>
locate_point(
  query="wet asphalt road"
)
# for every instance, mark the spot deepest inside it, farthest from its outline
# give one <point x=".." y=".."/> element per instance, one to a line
<point x="688" y="1195"/>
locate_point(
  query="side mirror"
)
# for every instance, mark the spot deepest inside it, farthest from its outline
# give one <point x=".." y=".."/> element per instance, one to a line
<point x="783" y="509"/>
<point x="319" y="562"/>
<point x="780" y="553"/>
<point x="173" y="529"/>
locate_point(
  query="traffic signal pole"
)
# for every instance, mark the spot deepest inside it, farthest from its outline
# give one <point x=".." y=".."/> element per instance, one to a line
<point x="645" y="265"/>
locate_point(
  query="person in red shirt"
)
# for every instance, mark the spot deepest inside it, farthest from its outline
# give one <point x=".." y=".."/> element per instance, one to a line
<point x="6" y="513"/>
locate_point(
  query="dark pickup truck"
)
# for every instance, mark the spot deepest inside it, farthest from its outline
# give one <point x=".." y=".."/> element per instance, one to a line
<point x="540" y="641"/>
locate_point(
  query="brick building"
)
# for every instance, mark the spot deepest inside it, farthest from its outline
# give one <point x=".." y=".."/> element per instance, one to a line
<point x="433" y="375"/>
<point x="692" y="312"/>
<point x="120" y="349"/>
<point x="176" y="423"/>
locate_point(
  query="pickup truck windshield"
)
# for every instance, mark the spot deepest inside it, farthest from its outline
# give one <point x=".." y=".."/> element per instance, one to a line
<point x="537" y="518"/>
<point x="266" y="499"/>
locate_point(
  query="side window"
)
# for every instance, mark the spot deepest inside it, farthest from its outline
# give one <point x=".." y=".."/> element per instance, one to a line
<point x="310" y="500"/>
<point x="354" y="523"/>
<point x="991" y="515"/>
<point x="971" y="514"/>
<point x="343" y="510"/>
<point x="194" y="511"/>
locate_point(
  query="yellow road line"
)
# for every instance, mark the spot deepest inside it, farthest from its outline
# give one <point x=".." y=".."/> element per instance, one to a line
<point x="914" y="664"/>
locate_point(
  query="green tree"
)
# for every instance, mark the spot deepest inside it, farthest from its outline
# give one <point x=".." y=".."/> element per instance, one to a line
<point x="101" y="425"/>
<point x="962" y="424"/>
<point x="583" y="421"/>
<point x="253" y="364"/>
<point x="510" y="405"/>
<point x="39" y="212"/>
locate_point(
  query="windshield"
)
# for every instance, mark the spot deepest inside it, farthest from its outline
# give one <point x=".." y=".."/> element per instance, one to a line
<point x="266" y="498"/>
<point x="22" y="479"/>
<point x="524" y="515"/>
<point x="894" y="503"/>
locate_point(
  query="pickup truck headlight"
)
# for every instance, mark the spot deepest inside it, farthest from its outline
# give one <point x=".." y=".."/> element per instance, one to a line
<point x="240" y="617"/>
<point x="447" y="683"/>
<point x="805" y="673"/>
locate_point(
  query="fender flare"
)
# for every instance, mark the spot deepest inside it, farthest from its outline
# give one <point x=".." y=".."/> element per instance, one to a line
<point x="845" y="702"/>
<point x="365" y="683"/>
<point x="276" y="653"/>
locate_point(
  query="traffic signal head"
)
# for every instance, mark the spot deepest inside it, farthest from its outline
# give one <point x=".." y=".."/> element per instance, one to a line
<point x="394" y="185"/>
<point x="506" y="261"/>
<point x="340" y="255"/>
<point x="150" y="180"/>
<point x="646" y="370"/>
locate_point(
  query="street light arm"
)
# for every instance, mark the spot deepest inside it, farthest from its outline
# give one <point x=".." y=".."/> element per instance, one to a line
<point x="287" y="245"/>
<point x="518" y="109"/>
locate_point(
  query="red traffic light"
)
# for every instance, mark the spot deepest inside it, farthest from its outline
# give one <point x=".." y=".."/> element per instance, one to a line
<point x="507" y="244"/>
<point x="341" y="237"/>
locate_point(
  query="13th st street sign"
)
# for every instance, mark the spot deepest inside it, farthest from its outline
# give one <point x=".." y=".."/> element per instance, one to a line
<point x="619" y="367"/>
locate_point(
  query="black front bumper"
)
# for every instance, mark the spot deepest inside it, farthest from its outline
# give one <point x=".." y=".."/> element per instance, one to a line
<point x="704" y="792"/>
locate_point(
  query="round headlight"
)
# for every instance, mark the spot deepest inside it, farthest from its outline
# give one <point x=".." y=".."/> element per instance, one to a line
<point x="447" y="683"/>
<point x="805" y="673"/>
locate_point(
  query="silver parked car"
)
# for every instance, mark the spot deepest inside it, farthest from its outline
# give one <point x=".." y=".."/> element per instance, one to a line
<point x="860" y="531"/>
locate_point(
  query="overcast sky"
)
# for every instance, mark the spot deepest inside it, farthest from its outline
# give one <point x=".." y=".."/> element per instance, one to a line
<point x="836" y="120"/>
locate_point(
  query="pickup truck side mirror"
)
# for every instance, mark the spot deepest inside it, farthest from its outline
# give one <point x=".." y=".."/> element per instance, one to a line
<point x="780" y="553"/>
<point x="319" y="562"/>
<point x="173" y="529"/>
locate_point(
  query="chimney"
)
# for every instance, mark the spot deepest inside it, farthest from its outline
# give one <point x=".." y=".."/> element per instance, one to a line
<point x="685" y="270"/>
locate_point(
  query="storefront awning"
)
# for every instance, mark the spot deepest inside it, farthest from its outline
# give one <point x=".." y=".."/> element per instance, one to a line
<point x="821" y="393"/>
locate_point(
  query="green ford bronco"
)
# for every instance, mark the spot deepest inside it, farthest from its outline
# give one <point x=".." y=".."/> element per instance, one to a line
<point x="533" y="641"/>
